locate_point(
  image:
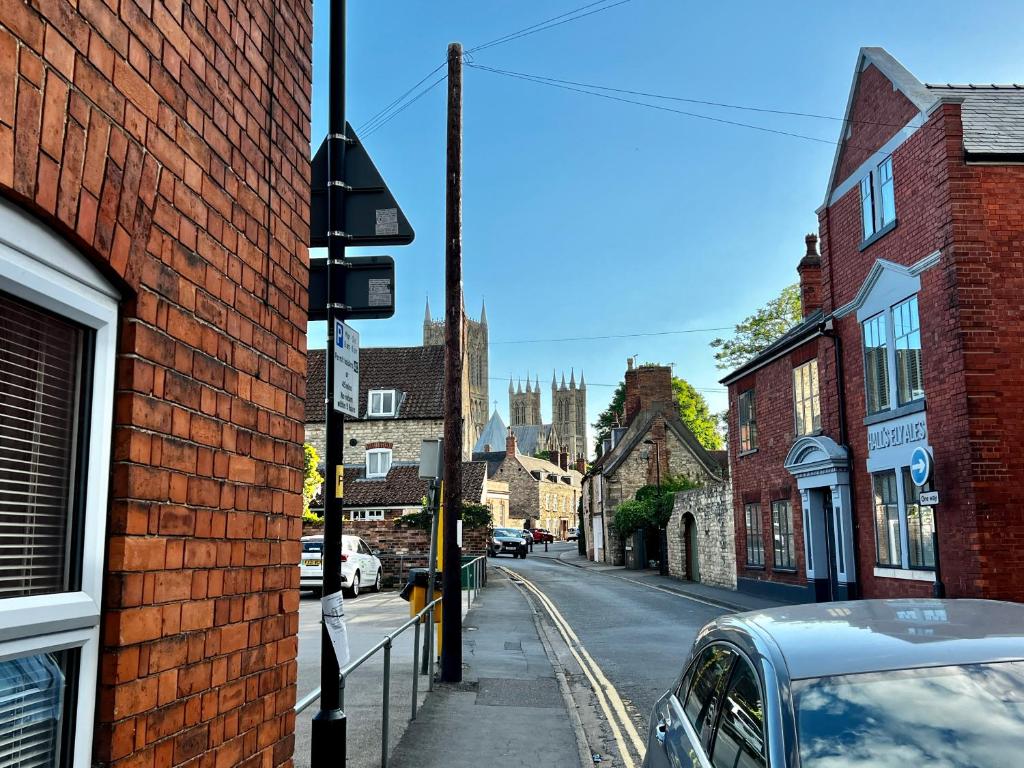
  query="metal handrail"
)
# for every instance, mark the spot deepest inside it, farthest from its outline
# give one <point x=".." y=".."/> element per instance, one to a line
<point x="479" y="573"/>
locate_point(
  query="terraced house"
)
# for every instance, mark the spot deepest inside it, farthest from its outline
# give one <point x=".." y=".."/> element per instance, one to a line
<point x="906" y="361"/>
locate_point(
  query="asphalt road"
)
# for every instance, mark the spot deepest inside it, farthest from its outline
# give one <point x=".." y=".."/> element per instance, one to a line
<point x="369" y="618"/>
<point x="639" y="636"/>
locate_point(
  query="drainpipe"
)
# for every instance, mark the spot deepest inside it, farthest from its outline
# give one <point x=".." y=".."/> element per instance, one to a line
<point x="827" y="328"/>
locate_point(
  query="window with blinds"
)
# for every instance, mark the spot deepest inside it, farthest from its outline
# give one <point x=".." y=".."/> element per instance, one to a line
<point x="748" y="421"/>
<point x="888" y="535"/>
<point x="805" y="398"/>
<point x="876" y="364"/>
<point x="41" y="384"/>
<point x="906" y="330"/>
<point x="34" y="709"/>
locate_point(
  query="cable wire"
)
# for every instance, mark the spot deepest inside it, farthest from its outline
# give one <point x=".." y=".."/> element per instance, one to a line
<point x="614" y="336"/>
<point x="405" y="106"/>
<point x="366" y="125"/>
<point x="545" y="25"/>
<point x="659" y="107"/>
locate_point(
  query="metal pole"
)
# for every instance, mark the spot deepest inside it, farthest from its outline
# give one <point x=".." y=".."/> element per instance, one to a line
<point x="386" y="716"/>
<point x="431" y="573"/>
<point x="415" y="667"/>
<point x="938" y="588"/>
<point x="451" y="604"/>
<point x="328" y="746"/>
<point x="430" y="647"/>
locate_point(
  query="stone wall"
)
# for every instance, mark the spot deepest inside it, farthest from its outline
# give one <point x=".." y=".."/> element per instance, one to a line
<point x="710" y="508"/>
<point x="405" y="435"/>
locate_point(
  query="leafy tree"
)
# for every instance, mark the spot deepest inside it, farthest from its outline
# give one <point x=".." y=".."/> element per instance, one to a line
<point x="693" y="410"/>
<point x="760" y="330"/>
<point x="312" y="480"/>
<point x="652" y="506"/>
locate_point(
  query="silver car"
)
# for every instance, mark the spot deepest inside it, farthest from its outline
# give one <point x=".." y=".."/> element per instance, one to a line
<point x="879" y="683"/>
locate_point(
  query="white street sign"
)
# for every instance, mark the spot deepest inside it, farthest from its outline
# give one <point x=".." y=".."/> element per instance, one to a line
<point x="929" y="498"/>
<point x="346" y="369"/>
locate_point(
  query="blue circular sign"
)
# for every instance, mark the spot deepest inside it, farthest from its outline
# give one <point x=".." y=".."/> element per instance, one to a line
<point x="920" y="466"/>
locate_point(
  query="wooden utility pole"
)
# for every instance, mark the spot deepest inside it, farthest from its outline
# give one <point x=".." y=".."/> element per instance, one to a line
<point x="451" y="605"/>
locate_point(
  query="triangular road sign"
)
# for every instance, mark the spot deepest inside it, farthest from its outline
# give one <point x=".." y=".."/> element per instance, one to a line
<point x="372" y="216"/>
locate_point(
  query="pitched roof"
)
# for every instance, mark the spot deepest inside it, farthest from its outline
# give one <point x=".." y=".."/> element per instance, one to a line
<point x="799" y="333"/>
<point x="493" y="434"/>
<point x="531" y="437"/>
<point x="403" y="486"/>
<point x="417" y="373"/>
<point x="492" y="459"/>
<point x="992" y="115"/>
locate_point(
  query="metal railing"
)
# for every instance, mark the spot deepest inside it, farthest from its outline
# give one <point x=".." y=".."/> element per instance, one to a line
<point x="385" y="645"/>
<point x="476" y="571"/>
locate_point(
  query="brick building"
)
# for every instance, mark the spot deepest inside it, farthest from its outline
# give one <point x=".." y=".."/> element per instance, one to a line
<point x="154" y="189"/>
<point x="654" y="442"/>
<point x="912" y="329"/>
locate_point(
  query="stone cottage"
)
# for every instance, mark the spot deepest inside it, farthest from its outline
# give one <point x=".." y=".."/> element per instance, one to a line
<point x="653" y="443"/>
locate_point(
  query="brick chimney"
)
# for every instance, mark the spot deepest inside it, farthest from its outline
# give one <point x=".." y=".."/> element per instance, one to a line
<point x="563" y="459"/>
<point x="646" y="384"/>
<point x="510" y="443"/>
<point x="581" y="464"/>
<point x="809" y="270"/>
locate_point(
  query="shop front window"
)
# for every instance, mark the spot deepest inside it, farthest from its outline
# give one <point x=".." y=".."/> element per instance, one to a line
<point x="920" y="525"/>
<point x="888" y="536"/>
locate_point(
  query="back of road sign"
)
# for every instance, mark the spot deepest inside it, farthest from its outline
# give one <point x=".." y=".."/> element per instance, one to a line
<point x="372" y="216"/>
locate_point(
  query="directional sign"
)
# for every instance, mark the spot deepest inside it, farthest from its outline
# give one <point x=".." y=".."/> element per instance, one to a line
<point x="920" y="466"/>
<point x="371" y="215"/>
<point x="929" y="498"/>
<point x="346" y="369"/>
<point x="368" y="292"/>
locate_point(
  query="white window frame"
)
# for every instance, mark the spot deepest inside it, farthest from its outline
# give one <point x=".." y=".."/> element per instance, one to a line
<point x="802" y="398"/>
<point x="876" y="187"/>
<point x="40" y="268"/>
<point x="381" y="452"/>
<point x="365" y="515"/>
<point x="381" y="395"/>
<point x="892" y="374"/>
<point x="751" y="421"/>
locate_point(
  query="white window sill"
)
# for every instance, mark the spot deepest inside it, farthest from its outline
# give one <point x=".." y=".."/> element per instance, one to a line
<point x="903" y="573"/>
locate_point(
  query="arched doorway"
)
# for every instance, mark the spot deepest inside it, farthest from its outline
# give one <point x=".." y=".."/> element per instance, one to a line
<point x="692" y="559"/>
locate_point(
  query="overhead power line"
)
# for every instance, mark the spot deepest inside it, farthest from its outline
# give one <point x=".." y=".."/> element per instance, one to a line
<point x="613" y="336"/>
<point x="659" y="107"/>
<point x="377" y="117"/>
<point x="405" y="106"/>
<point x="544" y="26"/>
<point x="599" y="384"/>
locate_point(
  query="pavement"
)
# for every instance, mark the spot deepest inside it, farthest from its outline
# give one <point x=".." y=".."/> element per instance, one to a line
<point x="509" y="710"/>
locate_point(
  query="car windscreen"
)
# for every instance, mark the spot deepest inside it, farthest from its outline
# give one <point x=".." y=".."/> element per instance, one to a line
<point x="968" y="716"/>
<point x="312" y="546"/>
<point x="508" y="533"/>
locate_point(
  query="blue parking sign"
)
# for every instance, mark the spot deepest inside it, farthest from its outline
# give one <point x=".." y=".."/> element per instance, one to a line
<point x="920" y="466"/>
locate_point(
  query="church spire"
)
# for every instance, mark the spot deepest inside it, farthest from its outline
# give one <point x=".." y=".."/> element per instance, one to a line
<point x="538" y="384"/>
<point x="426" y="318"/>
<point x="529" y="388"/>
<point x="483" y="312"/>
<point x="510" y="389"/>
<point x="583" y="383"/>
<point x="563" y="381"/>
<point x="554" y="380"/>
<point x="572" y="378"/>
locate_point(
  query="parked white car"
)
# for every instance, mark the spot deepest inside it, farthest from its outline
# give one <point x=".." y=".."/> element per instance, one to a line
<point x="360" y="568"/>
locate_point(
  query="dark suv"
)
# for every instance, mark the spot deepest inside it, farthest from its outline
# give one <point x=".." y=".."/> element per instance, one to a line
<point x="507" y="541"/>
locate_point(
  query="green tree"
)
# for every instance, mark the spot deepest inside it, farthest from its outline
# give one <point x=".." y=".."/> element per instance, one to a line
<point x="652" y="506"/>
<point x="312" y="480"/>
<point x="757" y="332"/>
<point x="693" y="410"/>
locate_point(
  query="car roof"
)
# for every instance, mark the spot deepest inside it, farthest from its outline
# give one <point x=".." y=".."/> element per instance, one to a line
<point x="842" y="638"/>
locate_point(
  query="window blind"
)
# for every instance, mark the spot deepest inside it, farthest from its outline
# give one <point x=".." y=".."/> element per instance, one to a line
<point x="40" y="386"/>
<point x="31" y="710"/>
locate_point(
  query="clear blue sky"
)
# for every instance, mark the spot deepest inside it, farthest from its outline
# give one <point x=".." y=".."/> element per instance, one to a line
<point x="586" y="217"/>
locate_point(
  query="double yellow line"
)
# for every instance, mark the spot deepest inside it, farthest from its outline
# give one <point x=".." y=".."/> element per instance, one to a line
<point x="607" y="697"/>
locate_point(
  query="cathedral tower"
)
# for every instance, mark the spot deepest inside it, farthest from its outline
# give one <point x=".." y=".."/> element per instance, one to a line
<point x="524" y="406"/>
<point x="475" y="360"/>
<point x="569" y="412"/>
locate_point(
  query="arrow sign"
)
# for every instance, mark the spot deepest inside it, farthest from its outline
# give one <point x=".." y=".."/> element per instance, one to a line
<point x="920" y="466"/>
<point x="371" y="214"/>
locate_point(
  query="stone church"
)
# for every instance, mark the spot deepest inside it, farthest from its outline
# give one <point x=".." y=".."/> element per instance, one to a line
<point x="475" y="361"/>
<point x="568" y="411"/>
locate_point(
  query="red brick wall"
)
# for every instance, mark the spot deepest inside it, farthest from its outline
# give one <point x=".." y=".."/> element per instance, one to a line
<point x="761" y="477"/>
<point x="170" y="144"/>
<point x="645" y="385"/>
<point x="878" y="112"/>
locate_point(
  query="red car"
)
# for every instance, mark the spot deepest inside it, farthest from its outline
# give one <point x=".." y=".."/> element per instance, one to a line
<point x="541" y="535"/>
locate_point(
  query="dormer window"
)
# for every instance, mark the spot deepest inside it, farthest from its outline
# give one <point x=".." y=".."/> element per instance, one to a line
<point x="382" y="402"/>
<point x="378" y="462"/>
<point x="878" y="201"/>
